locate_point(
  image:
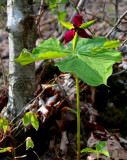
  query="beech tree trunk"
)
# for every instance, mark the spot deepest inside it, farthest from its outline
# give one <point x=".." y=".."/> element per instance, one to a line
<point x="22" y="34"/>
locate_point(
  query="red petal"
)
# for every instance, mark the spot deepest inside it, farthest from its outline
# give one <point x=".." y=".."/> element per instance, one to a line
<point x="77" y="20"/>
<point x="69" y="36"/>
<point x="82" y="33"/>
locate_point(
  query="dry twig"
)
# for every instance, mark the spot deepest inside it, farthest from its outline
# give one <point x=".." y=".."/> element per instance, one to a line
<point x="117" y="23"/>
<point x="116" y="19"/>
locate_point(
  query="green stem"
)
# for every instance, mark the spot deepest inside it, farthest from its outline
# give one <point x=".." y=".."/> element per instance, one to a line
<point x="97" y="156"/>
<point x="75" y="40"/>
<point x="78" y="119"/>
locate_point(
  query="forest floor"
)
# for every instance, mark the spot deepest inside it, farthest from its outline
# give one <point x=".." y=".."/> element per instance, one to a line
<point x="103" y="109"/>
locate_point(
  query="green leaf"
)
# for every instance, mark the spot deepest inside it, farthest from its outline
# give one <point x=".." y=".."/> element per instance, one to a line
<point x="89" y="44"/>
<point x="27" y="119"/>
<point x="67" y="25"/>
<point x="1" y="123"/>
<point x="29" y="143"/>
<point x="53" y="4"/>
<point x="100" y="145"/>
<point x="111" y="44"/>
<point x="108" y="45"/>
<point x="7" y="149"/>
<point x="47" y="49"/>
<point x="106" y="153"/>
<point x="1" y="4"/>
<point x="5" y="124"/>
<point x="88" y="24"/>
<point x="61" y="15"/>
<point x="91" y="62"/>
<point x="34" y="121"/>
<point x="88" y="150"/>
<point x="25" y="57"/>
<point x="93" y="67"/>
<point x="63" y="1"/>
<point x="31" y="118"/>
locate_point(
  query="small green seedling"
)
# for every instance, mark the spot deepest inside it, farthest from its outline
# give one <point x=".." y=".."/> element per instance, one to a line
<point x="6" y="149"/>
<point x="31" y="118"/>
<point x="29" y="143"/>
<point x="4" y="124"/>
<point x="99" y="147"/>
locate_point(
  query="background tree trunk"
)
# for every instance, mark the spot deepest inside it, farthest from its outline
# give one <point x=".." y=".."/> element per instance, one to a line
<point x="22" y="34"/>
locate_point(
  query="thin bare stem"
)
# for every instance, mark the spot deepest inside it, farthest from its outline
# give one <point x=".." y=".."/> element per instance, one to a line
<point x="20" y="144"/>
<point x="117" y="23"/>
<point x="40" y="12"/>
<point x="36" y="155"/>
<point x="116" y="19"/>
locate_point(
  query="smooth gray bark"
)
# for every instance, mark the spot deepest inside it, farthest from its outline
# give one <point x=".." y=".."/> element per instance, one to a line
<point x="22" y="34"/>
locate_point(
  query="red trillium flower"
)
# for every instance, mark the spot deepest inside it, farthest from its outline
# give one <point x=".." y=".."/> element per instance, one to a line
<point x="78" y="27"/>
